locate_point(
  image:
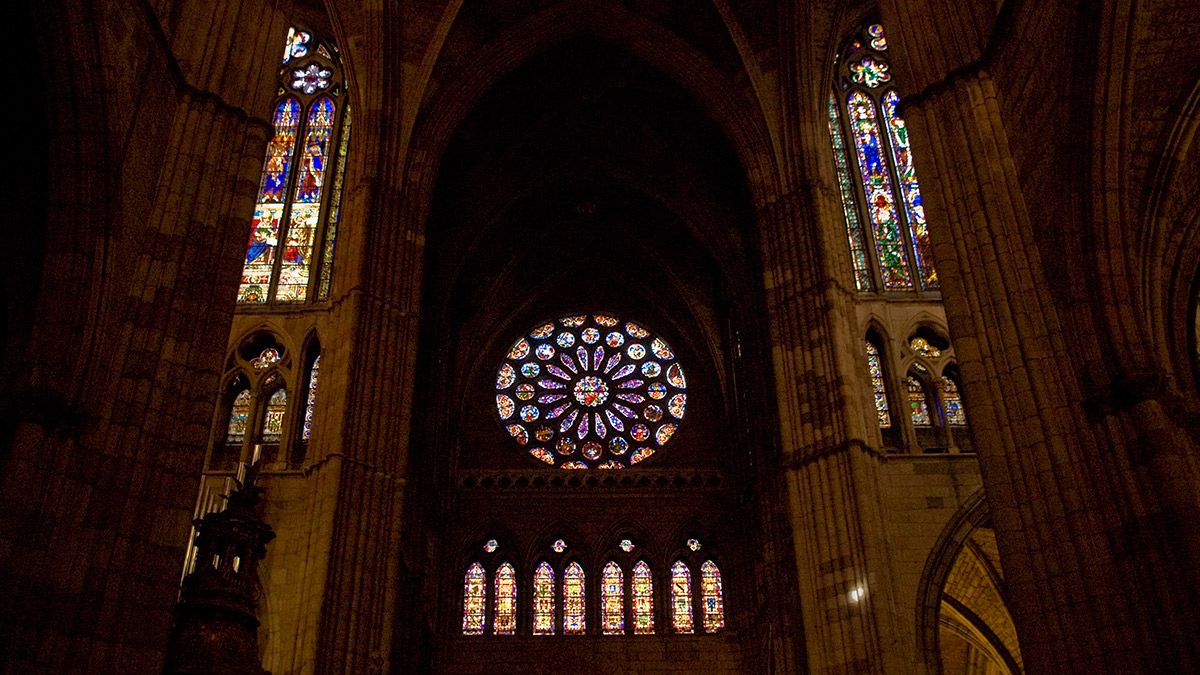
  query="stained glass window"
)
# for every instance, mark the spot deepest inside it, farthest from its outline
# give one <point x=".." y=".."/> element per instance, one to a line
<point x="612" y="600"/>
<point x="643" y="599"/>
<point x="712" y="596"/>
<point x="543" y="600"/>
<point x="918" y="402"/>
<point x="878" y="386"/>
<point x="922" y="347"/>
<point x="590" y="390"/>
<point x="335" y="211"/>
<point x="952" y="404"/>
<point x="681" y="598"/>
<point x="306" y="204"/>
<point x="474" y="598"/>
<point x="864" y="107"/>
<point x="854" y="233"/>
<point x="291" y="208"/>
<point x="239" y="415"/>
<point x="902" y="155"/>
<point x="272" y="427"/>
<point x="505" y="620"/>
<point x="574" y="621"/>
<point x="311" y="402"/>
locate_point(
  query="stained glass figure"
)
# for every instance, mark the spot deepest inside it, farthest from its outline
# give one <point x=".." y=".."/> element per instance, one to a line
<point x="559" y="546"/>
<point x="681" y="598"/>
<point x="612" y="600"/>
<point x="881" y="197"/>
<point x="543" y="600"/>
<point x="693" y="544"/>
<point x="264" y="230"/>
<point x="878" y="387"/>
<point x="490" y="546"/>
<point x="918" y="402"/>
<point x="239" y="414"/>
<point x="311" y="403"/>
<point x="588" y="387"/>
<point x="335" y="210"/>
<point x="505" y="620"/>
<point x="643" y="599"/>
<point x="854" y="232"/>
<point x="907" y="172"/>
<point x="474" y="599"/>
<point x="306" y="205"/>
<point x="272" y="427"/>
<point x="952" y="404"/>
<point x="574" y="621"/>
<point x="626" y="545"/>
<point x="712" y="596"/>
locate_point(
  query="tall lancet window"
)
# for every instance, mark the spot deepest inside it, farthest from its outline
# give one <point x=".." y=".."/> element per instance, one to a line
<point x="505" y="620"/>
<point x="643" y="599"/>
<point x="876" y="173"/>
<point x="612" y="600"/>
<point x="573" y="600"/>
<point x="681" y="598"/>
<point x="543" y="600"/>
<point x="474" y="598"/>
<point x="289" y="257"/>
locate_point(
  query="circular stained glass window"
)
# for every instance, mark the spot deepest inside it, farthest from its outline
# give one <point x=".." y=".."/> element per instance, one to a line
<point x="590" y="391"/>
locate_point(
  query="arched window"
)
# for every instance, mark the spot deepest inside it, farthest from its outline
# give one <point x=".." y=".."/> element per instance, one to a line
<point x="543" y="600"/>
<point x="612" y="600"/>
<point x="300" y="445"/>
<point x="883" y="192"/>
<point x="681" y="598"/>
<point x="474" y="599"/>
<point x="643" y="599"/>
<point x="952" y="404"/>
<point x="878" y="385"/>
<point x="239" y="414"/>
<point x="295" y="219"/>
<point x="505" y="620"/>
<point x="574" y="606"/>
<point x="712" y="597"/>
<point x="273" y="415"/>
<point x="918" y="403"/>
<point x="228" y="448"/>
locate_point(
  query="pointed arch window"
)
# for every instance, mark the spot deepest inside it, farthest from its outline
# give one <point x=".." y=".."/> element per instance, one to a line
<point x="643" y="599"/>
<point x="875" y="171"/>
<point x="681" y="598"/>
<point x="612" y="600"/>
<point x="310" y="401"/>
<point x="918" y="402"/>
<point x="239" y="415"/>
<point x="474" y="599"/>
<point x="574" y="605"/>
<point x="289" y="256"/>
<point x="952" y="403"/>
<point x="276" y="408"/>
<point x="712" y="596"/>
<point x="543" y="600"/>
<point x="878" y="385"/>
<point x="505" y="620"/>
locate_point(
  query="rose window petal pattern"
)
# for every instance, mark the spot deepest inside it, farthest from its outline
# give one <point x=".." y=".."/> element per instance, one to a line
<point x="590" y="391"/>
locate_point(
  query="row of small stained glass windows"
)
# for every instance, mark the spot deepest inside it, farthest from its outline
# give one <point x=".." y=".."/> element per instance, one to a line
<point x="918" y="396"/>
<point x="275" y="409"/>
<point x="901" y="257"/>
<point x="504" y="607"/>
<point x="307" y="232"/>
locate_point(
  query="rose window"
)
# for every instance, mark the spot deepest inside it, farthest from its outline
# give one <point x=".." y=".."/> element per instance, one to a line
<point x="590" y="391"/>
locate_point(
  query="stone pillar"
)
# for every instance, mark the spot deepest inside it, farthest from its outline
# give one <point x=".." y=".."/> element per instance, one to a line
<point x="153" y="170"/>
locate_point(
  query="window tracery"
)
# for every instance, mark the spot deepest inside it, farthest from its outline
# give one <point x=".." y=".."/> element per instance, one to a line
<point x="590" y="390"/>
<point x="884" y="191"/>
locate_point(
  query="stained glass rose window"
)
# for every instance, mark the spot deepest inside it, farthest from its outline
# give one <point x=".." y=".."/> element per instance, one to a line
<point x="590" y="391"/>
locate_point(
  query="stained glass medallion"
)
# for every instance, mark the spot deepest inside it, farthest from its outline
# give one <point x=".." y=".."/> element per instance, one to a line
<point x="585" y="390"/>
